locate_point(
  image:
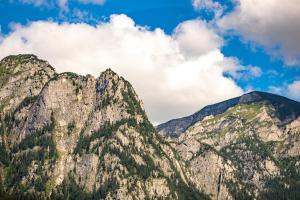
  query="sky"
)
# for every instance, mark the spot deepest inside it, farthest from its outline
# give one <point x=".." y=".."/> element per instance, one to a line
<point x="179" y="55"/>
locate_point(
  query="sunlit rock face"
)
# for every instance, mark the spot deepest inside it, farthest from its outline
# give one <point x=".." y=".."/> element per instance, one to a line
<point x="248" y="149"/>
<point x="65" y="136"/>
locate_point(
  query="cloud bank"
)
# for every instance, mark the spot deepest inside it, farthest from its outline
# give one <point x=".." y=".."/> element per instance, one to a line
<point x="273" y="24"/>
<point x="174" y="75"/>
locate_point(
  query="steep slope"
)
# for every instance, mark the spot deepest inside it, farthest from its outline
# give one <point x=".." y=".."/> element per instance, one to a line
<point x="249" y="151"/>
<point x="287" y="111"/>
<point x="65" y="136"/>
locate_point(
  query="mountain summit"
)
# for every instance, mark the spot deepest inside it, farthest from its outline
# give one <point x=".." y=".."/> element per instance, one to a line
<point x="65" y="136"/>
<point x="243" y="148"/>
<point x="286" y="110"/>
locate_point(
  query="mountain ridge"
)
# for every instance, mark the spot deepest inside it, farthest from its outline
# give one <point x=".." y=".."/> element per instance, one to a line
<point x="66" y="136"/>
<point x="175" y="127"/>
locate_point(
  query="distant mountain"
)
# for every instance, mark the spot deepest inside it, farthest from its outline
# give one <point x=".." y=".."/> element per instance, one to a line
<point x="244" y="148"/>
<point x="287" y="110"/>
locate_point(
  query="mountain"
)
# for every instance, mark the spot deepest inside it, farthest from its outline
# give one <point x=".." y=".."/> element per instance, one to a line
<point x="244" y="148"/>
<point x="65" y="136"/>
<point x="287" y="110"/>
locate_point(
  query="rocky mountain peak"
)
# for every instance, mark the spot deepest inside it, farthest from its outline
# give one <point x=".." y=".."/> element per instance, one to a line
<point x="285" y="109"/>
<point x="66" y="136"/>
<point x="109" y="72"/>
<point x="21" y="77"/>
<point x="252" y="97"/>
<point x="244" y="148"/>
<point x="25" y="62"/>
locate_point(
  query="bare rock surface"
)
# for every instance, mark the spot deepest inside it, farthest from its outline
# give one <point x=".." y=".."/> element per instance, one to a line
<point x="65" y="136"/>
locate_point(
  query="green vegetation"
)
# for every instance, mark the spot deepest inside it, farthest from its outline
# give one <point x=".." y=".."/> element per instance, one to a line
<point x="71" y="127"/>
<point x="285" y="186"/>
<point x="3" y="71"/>
<point x="134" y="106"/>
<point x="26" y="102"/>
<point x="48" y="187"/>
<point x="70" y="75"/>
<point x="109" y="187"/>
<point x="4" y="158"/>
<point x="184" y="191"/>
<point x="4" y="195"/>
<point x="78" y="88"/>
<point x="27" y="153"/>
<point x="247" y="152"/>
<point x="236" y="192"/>
<point x="134" y="169"/>
<point x="105" y="130"/>
<point x="106" y="100"/>
<point x="244" y="111"/>
<point x="4" y="74"/>
<point x="40" y="138"/>
<point x="70" y="190"/>
<point x="244" y="150"/>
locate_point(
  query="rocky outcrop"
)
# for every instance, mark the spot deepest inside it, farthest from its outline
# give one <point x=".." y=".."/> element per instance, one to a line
<point x="250" y="151"/>
<point x="65" y="136"/>
<point x="287" y="111"/>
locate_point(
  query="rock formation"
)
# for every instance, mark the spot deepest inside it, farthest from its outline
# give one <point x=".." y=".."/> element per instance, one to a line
<point x="66" y="136"/>
<point x="243" y="148"/>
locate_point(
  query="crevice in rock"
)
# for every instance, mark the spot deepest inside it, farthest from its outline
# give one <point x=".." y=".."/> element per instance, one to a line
<point x="219" y="184"/>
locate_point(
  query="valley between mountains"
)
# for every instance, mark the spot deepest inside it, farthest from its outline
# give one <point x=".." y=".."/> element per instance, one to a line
<point x="67" y="136"/>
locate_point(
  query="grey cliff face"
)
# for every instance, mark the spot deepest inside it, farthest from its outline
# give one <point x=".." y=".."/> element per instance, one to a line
<point x="69" y="136"/>
<point x="248" y="151"/>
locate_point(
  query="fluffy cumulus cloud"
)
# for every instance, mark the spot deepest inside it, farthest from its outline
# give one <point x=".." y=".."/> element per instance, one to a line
<point x="195" y="38"/>
<point x="173" y="75"/>
<point x="273" y="24"/>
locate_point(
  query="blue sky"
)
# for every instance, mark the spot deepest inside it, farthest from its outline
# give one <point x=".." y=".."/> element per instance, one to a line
<point x="274" y="60"/>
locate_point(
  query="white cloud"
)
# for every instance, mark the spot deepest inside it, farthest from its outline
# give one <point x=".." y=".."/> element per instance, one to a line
<point x="294" y="89"/>
<point x="196" y="38"/>
<point x="237" y="71"/>
<point x="255" y="71"/>
<point x="170" y="77"/>
<point x="208" y="6"/>
<point x="291" y="90"/>
<point x="271" y="23"/>
<point x="276" y="90"/>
